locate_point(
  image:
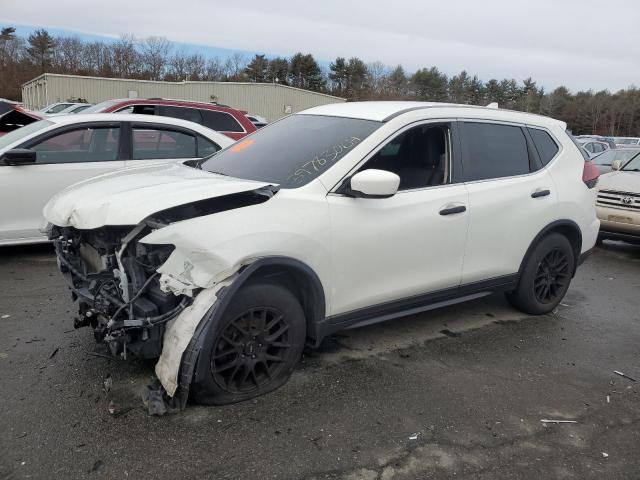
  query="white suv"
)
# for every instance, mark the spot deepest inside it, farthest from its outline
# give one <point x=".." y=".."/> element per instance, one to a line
<point x="341" y="215"/>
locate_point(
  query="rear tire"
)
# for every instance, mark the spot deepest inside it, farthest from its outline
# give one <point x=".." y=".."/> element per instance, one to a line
<point x="255" y="347"/>
<point x="546" y="276"/>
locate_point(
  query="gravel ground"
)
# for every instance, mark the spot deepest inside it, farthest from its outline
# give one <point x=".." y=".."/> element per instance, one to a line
<point x="457" y="392"/>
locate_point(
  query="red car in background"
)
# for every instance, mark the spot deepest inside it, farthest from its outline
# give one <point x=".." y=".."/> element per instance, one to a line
<point x="13" y="116"/>
<point x="229" y="121"/>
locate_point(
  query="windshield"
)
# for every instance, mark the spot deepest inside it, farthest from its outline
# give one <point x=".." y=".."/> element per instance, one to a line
<point x="80" y="108"/>
<point x="608" y="157"/>
<point x="58" y="108"/>
<point x="101" y="107"/>
<point x="633" y="165"/>
<point x="293" y="151"/>
<point x="22" y="132"/>
<point x="627" y="141"/>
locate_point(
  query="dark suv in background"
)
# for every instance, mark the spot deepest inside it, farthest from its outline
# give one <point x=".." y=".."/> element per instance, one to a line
<point x="229" y="121"/>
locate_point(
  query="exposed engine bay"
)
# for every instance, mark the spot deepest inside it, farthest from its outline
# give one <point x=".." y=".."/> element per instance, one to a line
<point x="114" y="280"/>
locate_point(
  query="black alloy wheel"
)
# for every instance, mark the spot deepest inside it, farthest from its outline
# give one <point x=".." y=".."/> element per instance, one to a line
<point x="552" y="276"/>
<point x="254" y="346"/>
<point x="545" y="276"/>
<point x="251" y="350"/>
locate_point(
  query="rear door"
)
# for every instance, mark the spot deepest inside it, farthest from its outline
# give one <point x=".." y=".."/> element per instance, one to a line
<point x="63" y="157"/>
<point x="511" y="197"/>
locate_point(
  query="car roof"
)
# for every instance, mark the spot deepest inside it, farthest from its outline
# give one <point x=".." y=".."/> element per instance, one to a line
<point x="119" y="117"/>
<point x="174" y="102"/>
<point x="139" y="118"/>
<point x="383" y="111"/>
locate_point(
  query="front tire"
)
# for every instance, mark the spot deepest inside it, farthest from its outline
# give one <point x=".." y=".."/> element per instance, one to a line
<point x="255" y="347"/>
<point x="546" y="276"/>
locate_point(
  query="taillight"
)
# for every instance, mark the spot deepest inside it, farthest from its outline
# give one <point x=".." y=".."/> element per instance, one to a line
<point x="590" y="174"/>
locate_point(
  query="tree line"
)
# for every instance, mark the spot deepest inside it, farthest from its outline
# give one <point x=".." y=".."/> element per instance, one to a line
<point x="156" y="58"/>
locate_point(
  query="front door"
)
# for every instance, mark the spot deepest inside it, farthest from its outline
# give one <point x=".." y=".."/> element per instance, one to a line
<point x="413" y="243"/>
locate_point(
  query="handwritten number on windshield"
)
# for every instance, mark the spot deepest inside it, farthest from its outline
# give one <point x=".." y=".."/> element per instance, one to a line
<point x="325" y="157"/>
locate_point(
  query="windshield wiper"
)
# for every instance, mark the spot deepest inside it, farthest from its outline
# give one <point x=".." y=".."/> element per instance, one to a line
<point x="218" y="173"/>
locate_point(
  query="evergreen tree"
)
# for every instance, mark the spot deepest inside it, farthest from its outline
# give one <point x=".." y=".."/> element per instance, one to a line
<point x="256" y="71"/>
<point x="430" y="85"/>
<point x="40" y="49"/>
<point x="338" y="74"/>
<point x="278" y="71"/>
<point x="305" y="72"/>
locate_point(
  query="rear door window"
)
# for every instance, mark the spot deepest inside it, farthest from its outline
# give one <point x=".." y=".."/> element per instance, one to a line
<point x="220" y="121"/>
<point x="545" y="145"/>
<point x="493" y="151"/>
<point x="87" y="144"/>
<point x="189" y="114"/>
<point x="206" y="147"/>
<point x="150" y="143"/>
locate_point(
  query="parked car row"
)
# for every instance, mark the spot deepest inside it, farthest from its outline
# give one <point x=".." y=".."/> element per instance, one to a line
<point x="254" y="248"/>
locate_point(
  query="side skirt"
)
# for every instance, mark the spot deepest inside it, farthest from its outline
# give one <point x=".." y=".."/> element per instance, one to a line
<point x="416" y="304"/>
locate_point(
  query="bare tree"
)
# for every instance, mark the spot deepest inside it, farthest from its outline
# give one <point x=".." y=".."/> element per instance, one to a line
<point x="155" y="53"/>
<point x="214" y="70"/>
<point x="378" y="78"/>
<point x="125" y="58"/>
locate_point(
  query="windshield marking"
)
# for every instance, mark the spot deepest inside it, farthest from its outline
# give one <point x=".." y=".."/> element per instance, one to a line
<point x="319" y="161"/>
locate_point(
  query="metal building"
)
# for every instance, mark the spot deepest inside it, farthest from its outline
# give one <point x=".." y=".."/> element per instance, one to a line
<point x="270" y="100"/>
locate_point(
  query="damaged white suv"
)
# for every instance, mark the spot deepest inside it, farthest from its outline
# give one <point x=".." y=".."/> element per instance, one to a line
<point x="335" y="217"/>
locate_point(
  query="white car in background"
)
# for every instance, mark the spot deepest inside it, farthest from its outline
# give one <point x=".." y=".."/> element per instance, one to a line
<point x="77" y="108"/>
<point x="338" y="216"/>
<point x="59" y="107"/>
<point x="42" y="158"/>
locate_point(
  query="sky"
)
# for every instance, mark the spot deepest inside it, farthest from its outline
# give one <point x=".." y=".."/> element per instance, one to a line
<point x="582" y="44"/>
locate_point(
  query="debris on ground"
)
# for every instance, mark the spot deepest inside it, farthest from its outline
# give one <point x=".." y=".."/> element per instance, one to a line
<point x="624" y="375"/>
<point x="5" y="316"/>
<point x="113" y="408"/>
<point x="605" y="454"/>
<point x="544" y="420"/>
<point x="53" y="354"/>
<point x="414" y="436"/>
<point x="97" y="466"/>
<point x="108" y="383"/>
<point x="608" y="399"/>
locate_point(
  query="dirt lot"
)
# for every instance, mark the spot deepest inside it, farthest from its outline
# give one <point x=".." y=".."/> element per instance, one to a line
<point x="459" y="392"/>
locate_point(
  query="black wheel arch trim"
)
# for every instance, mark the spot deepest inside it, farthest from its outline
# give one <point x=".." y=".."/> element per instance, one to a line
<point x="555" y="225"/>
<point x="187" y="373"/>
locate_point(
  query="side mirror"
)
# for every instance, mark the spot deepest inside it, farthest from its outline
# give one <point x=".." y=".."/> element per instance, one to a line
<point x="616" y="165"/>
<point x="18" y="156"/>
<point x="374" y="184"/>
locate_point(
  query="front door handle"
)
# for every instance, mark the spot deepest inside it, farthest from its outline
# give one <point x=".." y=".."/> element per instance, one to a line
<point x="540" y="193"/>
<point x="453" y="210"/>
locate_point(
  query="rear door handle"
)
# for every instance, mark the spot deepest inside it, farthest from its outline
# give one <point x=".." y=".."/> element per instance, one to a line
<point x="453" y="210"/>
<point x="540" y="193"/>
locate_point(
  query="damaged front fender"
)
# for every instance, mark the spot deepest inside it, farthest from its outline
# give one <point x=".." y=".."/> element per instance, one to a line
<point x="179" y="333"/>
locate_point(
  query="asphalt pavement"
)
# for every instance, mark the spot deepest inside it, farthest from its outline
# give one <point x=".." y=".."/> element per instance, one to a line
<point x="454" y="393"/>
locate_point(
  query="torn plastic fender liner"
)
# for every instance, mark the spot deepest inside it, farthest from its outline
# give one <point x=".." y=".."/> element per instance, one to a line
<point x="184" y="360"/>
<point x="179" y="333"/>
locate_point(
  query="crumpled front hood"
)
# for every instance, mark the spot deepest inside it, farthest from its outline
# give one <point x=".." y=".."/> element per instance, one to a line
<point x="620" y="181"/>
<point x="128" y="196"/>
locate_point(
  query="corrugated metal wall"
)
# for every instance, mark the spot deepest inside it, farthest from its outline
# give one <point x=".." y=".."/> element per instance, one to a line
<point x="269" y="100"/>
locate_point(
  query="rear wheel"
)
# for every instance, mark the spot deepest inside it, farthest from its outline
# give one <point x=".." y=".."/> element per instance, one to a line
<point x="255" y="347"/>
<point x="546" y="276"/>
